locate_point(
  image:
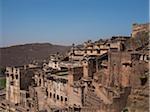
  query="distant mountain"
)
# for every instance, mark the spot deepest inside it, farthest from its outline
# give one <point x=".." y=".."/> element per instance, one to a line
<point x="24" y="54"/>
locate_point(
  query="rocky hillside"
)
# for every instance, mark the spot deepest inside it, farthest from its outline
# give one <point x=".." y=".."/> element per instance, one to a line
<point x="24" y="54"/>
<point x="138" y="42"/>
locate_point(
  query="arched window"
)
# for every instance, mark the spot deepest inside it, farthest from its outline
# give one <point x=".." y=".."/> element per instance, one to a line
<point x="54" y="95"/>
<point x="50" y="94"/>
<point x="16" y="76"/>
<point x="12" y="76"/>
<point x="46" y="92"/>
<point x="7" y="75"/>
<point x="57" y="97"/>
<point x="66" y="99"/>
<point x="61" y="98"/>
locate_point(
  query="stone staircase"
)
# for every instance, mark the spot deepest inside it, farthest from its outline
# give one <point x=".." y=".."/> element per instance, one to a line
<point x="101" y="94"/>
<point x="107" y="100"/>
<point x="91" y="99"/>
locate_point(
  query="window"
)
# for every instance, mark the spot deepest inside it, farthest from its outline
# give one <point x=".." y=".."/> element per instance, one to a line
<point x="143" y="79"/>
<point x="11" y="83"/>
<point x="27" y="95"/>
<point x="50" y="94"/>
<point x="98" y="51"/>
<point x="29" y="104"/>
<point x="54" y="95"/>
<point x="16" y="76"/>
<point x="7" y="75"/>
<point x="61" y="98"/>
<point x="57" y="97"/>
<point x="147" y="57"/>
<point x="108" y="45"/>
<point x="46" y="92"/>
<point x="40" y="81"/>
<point x="12" y="76"/>
<point x="66" y="99"/>
<point x="16" y="70"/>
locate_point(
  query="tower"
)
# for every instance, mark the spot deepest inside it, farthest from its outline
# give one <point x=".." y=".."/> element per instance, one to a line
<point x="13" y="84"/>
<point x="88" y="67"/>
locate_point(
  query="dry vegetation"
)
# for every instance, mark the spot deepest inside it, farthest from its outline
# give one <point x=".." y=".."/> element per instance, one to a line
<point x="24" y="54"/>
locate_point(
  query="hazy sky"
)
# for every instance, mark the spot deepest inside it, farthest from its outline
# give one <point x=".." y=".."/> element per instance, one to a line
<point x="68" y="21"/>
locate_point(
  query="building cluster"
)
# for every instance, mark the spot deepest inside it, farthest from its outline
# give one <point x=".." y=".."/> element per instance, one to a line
<point x="96" y="77"/>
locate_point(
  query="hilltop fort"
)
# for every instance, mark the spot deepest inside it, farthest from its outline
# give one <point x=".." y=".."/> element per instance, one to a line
<point x="102" y="76"/>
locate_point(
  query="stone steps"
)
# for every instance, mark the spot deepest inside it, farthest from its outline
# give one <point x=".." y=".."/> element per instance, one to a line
<point x="101" y="94"/>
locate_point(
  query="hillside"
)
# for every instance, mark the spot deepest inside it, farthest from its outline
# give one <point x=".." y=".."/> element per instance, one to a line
<point x="24" y="54"/>
<point x="138" y="42"/>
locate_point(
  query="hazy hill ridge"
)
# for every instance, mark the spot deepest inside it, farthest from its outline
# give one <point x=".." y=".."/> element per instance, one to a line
<point x="24" y="54"/>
